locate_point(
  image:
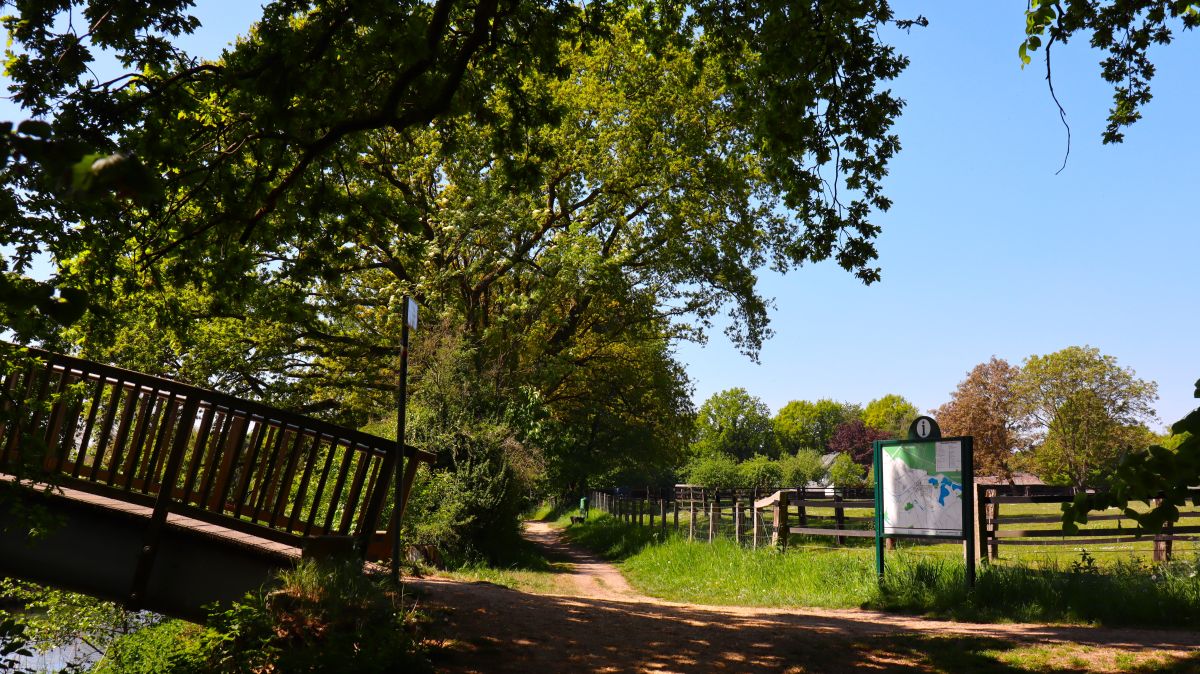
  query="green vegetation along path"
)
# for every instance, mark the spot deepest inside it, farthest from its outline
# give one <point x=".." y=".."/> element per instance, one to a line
<point x="593" y="621"/>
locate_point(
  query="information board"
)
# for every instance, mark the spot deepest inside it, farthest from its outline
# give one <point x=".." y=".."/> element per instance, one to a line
<point x="925" y="487"/>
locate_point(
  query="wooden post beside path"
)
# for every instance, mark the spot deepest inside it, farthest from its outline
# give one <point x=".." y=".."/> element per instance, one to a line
<point x="839" y="518"/>
<point x="755" y="528"/>
<point x="737" y="519"/>
<point x="1162" y="540"/>
<point x="781" y="521"/>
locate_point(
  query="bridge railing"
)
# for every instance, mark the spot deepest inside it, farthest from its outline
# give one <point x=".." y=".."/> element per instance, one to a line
<point x="206" y="455"/>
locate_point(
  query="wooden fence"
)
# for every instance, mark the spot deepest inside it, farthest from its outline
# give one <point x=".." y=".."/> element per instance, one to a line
<point x="994" y="528"/>
<point x="203" y="454"/>
<point x="752" y="517"/>
<point x="756" y="518"/>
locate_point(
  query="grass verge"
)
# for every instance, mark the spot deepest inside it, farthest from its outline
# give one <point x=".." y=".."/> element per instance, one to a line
<point x="521" y="566"/>
<point x="1128" y="592"/>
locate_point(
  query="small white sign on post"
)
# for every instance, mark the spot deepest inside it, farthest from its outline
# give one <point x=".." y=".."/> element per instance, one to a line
<point x="410" y="313"/>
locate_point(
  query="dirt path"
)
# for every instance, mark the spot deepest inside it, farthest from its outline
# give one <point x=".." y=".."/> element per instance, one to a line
<point x="601" y="624"/>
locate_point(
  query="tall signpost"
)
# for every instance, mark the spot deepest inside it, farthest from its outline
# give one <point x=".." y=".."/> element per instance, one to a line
<point x="924" y="488"/>
<point x="409" y="307"/>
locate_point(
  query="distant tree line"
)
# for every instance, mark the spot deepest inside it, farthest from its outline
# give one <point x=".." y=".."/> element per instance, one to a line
<point x="1066" y="417"/>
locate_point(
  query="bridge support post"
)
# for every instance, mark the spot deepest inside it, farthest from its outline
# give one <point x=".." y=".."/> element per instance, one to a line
<point x="162" y="504"/>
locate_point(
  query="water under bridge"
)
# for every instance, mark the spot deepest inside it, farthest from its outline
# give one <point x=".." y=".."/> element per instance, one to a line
<point x="166" y="496"/>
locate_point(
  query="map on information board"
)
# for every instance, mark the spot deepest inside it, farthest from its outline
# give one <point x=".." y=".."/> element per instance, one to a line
<point x="923" y="488"/>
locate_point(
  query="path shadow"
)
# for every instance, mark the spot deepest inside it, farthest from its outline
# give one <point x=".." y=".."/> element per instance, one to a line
<point x="491" y="629"/>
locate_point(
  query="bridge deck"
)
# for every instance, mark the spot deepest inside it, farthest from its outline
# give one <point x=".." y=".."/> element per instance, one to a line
<point x="242" y="538"/>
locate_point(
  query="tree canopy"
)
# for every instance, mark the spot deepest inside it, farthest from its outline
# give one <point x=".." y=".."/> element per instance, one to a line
<point x="734" y="423"/>
<point x="855" y="439"/>
<point x="984" y="406"/>
<point x="891" y="413"/>
<point x="801" y="424"/>
<point x="567" y="189"/>
<point x="1086" y="411"/>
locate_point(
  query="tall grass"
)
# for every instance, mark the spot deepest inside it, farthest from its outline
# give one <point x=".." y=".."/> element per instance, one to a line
<point x="610" y="537"/>
<point x="1125" y="593"/>
<point x="726" y="573"/>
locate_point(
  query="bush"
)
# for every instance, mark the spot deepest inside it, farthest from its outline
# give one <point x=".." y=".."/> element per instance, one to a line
<point x="805" y="467"/>
<point x="716" y="471"/>
<point x="471" y="507"/>
<point x="845" y="473"/>
<point x="760" y="472"/>
<point x="326" y="617"/>
<point x="173" y="646"/>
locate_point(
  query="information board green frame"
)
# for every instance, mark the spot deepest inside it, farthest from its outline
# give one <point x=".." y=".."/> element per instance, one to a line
<point x="929" y="447"/>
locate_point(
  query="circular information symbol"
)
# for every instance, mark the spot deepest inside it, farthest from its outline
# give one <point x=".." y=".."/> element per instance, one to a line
<point x="923" y="428"/>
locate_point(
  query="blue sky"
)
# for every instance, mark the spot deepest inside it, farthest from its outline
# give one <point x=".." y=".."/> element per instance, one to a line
<point x="986" y="251"/>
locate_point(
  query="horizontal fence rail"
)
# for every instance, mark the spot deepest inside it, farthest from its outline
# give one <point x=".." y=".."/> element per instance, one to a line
<point x="202" y="454"/>
<point x="754" y="516"/>
<point x="995" y="529"/>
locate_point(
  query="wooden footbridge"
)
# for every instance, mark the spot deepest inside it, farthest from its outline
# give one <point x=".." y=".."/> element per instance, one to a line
<point x="170" y="497"/>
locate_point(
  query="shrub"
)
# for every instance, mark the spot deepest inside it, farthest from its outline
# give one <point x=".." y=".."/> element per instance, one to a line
<point x="326" y="617"/>
<point x="805" y="467"/>
<point x="845" y="473"/>
<point x="716" y="471"/>
<point x="760" y="472"/>
<point x="175" y="646"/>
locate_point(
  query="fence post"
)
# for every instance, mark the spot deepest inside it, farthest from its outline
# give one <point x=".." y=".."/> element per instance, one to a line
<point x="641" y="508"/>
<point x="662" y="516"/>
<point x="801" y="511"/>
<point x="712" y="520"/>
<point x="675" y="507"/>
<point x="839" y="518"/>
<point x="1162" y="542"/>
<point x="781" y="521"/>
<point x="754" y="525"/>
<point x="981" y="533"/>
<point x="692" y="520"/>
<point x="993" y="521"/>
<point x="717" y="509"/>
<point x="737" y="519"/>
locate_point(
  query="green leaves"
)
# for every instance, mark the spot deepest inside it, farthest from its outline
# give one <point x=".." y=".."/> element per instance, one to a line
<point x="1124" y="30"/>
<point x="736" y="424"/>
<point x="1156" y="476"/>
<point x="35" y="128"/>
<point x="25" y="305"/>
<point x="120" y="174"/>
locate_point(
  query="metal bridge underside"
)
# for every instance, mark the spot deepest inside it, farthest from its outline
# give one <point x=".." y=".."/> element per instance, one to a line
<point x="95" y="544"/>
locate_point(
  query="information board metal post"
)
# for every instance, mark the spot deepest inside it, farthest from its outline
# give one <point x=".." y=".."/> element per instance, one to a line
<point x="968" y="468"/>
<point x="877" y="454"/>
